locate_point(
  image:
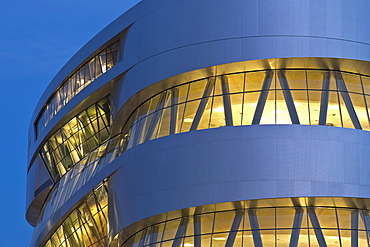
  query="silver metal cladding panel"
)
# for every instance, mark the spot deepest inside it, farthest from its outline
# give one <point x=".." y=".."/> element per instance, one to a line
<point x="188" y="35"/>
<point x="238" y="163"/>
<point x="38" y="180"/>
<point x="170" y="37"/>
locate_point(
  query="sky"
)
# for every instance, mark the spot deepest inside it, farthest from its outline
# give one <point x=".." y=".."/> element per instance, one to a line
<point x="37" y="37"/>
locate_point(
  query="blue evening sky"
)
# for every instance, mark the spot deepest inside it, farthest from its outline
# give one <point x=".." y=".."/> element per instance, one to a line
<point x="37" y="37"/>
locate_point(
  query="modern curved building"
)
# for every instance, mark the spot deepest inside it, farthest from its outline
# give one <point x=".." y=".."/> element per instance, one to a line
<point x="209" y="123"/>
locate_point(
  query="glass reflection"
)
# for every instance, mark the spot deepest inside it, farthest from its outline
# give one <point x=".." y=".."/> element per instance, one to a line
<point x="87" y="225"/>
<point x="307" y="97"/>
<point x="94" y="68"/>
<point x="271" y="226"/>
<point x="76" y="139"/>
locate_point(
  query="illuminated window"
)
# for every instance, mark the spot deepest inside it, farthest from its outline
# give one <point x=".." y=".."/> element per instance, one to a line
<point x="76" y="139"/>
<point x="260" y="226"/>
<point x="299" y="96"/>
<point x="87" y="225"/>
<point x="94" y="68"/>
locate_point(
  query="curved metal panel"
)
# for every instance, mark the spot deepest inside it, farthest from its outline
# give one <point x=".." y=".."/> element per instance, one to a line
<point x="238" y="163"/>
<point x="39" y="182"/>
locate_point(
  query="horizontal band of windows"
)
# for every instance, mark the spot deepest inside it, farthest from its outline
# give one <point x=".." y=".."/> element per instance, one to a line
<point x="285" y="226"/>
<point x="94" y="68"/>
<point x="308" y="97"/>
<point x="87" y="225"/>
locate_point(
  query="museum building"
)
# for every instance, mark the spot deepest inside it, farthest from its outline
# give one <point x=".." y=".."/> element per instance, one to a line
<point x="208" y="123"/>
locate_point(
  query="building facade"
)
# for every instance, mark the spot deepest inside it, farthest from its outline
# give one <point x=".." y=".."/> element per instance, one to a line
<point x="209" y="123"/>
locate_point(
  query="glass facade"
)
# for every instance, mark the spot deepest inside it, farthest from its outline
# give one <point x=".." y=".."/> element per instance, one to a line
<point x="95" y="67"/>
<point x="76" y="139"/>
<point x="87" y="225"/>
<point x="300" y="96"/>
<point x="259" y="226"/>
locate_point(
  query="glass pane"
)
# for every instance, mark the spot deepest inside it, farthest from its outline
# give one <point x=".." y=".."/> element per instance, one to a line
<point x="360" y="109"/>
<point x="238" y="242"/>
<point x="167" y="243"/>
<point x="249" y="107"/>
<point x="190" y="227"/>
<point x="352" y="82"/>
<point x="346" y="119"/>
<point x="205" y="119"/>
<point x="207" y="240"/>
<point x="281" y="112"/>
<point x="266" y="218"/>
<point x="218" y="113"/>
<point x="254" y="80"/>
<point x="331" y="238"/>
<point x="283" y="238"/>
<point x="196" y="90"/>
<point x="218" y="86"/>
<point x="315" y="79"/>
<point x="188" y="242"/>
<point x="344" y="217"/>
<point x="171" y="229"/>
<point x="179" y="109"/>
<point x="362" y="239"/>
<point x="285" y="217"/>
<point x="224" y="221"/>
<point x="314" y="104"/>
<point x="247" y="239"/>
<point x="268" y="114"/>
<point x="153" y="104"/>
<point x="268" y="238"/>
<point x="296" y="79"/>
<point x="236" y="83"/>
<point x="182" y="92"/>
<point x="219" y="240"/>
<point x="366" y="84"/>
<point x="164" y="129"/>
<point x="333" y="115"/>
<point x="190" y="110"/>
<point x="207" y="223"/>
<point x="236" y="101"/>
<point x="327" y="217"/>
<point x="301" y="106"/>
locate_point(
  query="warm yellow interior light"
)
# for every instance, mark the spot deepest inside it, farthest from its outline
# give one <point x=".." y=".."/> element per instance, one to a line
<point x="297" y="104"/>
<point x="333" y="107"/>
<point x="188" y="120"/>
<point x="188" y="244"/>
<point x="219" y="109"/>
<point x="219" y="238"/>
<point x="277" y="112"/>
